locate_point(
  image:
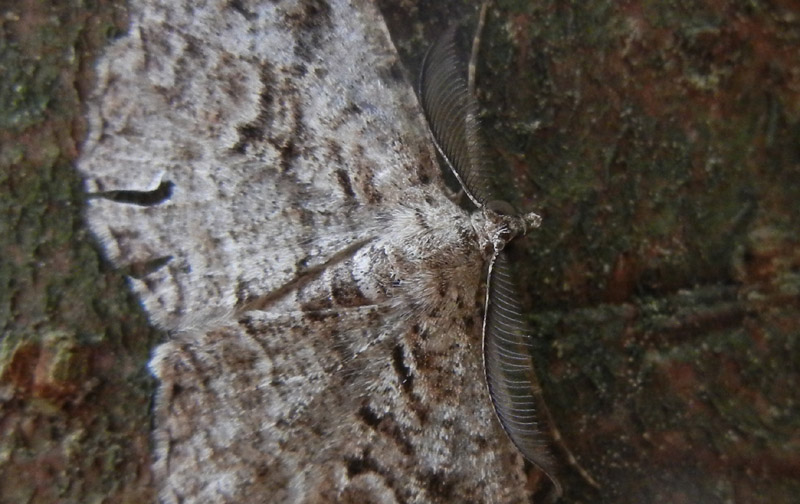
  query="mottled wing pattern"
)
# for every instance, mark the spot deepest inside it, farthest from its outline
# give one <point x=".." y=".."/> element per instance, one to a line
<point x="242" y="106"/>
<point x="452" y="114"/>
<point x="243" y="158"/>
<point x="253" y="413"/>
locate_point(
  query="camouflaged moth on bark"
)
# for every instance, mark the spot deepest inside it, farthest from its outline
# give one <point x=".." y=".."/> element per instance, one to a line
<point x="266" y="172"/>
<point x="453" y="117"/>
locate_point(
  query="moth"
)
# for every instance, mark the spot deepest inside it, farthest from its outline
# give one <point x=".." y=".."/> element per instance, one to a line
<point x="452" y="113"/>
<point x="264" y="173"/>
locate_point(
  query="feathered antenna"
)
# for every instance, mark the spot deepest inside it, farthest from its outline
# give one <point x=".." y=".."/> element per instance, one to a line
<point x="510" y="374"/>
<point x="452" y="114"/>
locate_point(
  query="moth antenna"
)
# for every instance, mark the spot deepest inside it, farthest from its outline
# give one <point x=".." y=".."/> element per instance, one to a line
<point x="452" y="115"/>
<point x="510" y="375"/>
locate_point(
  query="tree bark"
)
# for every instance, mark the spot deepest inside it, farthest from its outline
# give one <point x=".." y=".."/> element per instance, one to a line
<point x="660" y="143"/>
<point x="75" y="392"/>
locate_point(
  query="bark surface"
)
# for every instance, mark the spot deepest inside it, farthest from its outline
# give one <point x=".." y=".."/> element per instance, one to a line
<point x="661" y="143"/>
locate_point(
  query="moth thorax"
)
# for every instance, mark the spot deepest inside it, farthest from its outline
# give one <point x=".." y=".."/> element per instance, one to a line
<point x="425" y="244"/>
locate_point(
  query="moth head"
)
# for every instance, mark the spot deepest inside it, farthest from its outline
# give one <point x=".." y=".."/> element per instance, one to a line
<point x="501" y="226"/>
<point x="530" y="220"/>
<point x="499" y="223"/>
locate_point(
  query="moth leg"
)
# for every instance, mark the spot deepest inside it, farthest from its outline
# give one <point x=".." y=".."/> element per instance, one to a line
<point x="476" y="43"/>
<point x="456" y="197"/>
<point x="471" y="69"/>
<point x="555" y="435"/>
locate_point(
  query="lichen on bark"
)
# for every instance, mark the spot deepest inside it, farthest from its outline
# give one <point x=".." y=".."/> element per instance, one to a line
<point x="74" y="390"/>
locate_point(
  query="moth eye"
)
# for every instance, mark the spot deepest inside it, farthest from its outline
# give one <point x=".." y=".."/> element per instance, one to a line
<point x="501" y="207"/>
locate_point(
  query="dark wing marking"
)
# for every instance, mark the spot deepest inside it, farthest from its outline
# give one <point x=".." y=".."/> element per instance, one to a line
<point x="452" y="114"/>
<point x="509" y="370"/>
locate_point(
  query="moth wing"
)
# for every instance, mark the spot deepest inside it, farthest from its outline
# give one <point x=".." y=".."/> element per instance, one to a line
<point x="264" y="408"/>
<point x="282" y="129"/>
<point x="510" y="374"/>
<point x="237" y="409"/>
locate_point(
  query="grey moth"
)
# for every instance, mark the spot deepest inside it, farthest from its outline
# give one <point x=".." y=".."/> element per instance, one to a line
<point x="266" y="174"/>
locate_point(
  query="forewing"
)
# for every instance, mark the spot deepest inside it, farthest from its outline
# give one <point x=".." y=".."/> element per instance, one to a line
<point x="281" y="132"/>
<point x="510" y="375"/>
<point x="238" y="410"/>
